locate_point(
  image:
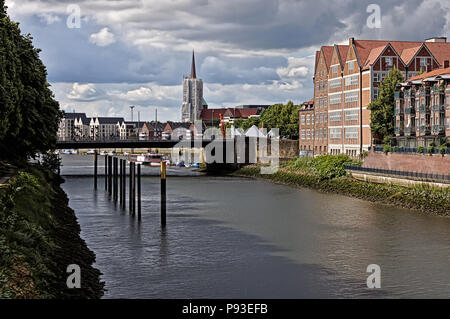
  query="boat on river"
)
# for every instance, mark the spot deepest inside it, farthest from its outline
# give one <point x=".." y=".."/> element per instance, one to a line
<point x="153" y="160"/>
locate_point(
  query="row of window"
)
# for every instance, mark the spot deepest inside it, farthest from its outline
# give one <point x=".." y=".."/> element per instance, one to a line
<point x="309" y="119"/>
<point x="350" y="115"/>
<point x="322" y="102"/>
<point x="350" y="133"/>
<point x="335" y="133"/>
<point x="320" y="133"/>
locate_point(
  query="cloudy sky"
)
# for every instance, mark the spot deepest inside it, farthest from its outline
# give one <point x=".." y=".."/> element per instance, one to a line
<point x="135" y="52"/>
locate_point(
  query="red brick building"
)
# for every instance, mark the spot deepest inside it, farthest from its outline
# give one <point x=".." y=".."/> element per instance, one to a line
<point x="306" y="127"/>
<point x="422" y="109"/>
<point x="346" y="80"/>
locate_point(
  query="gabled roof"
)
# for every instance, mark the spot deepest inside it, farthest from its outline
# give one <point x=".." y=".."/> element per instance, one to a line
<point x="175" y="125"/>
<point x="74" y="115"/>
<point x="110" y="120"/>
<point x="408" y="54"/>
<point x="155" y="126"/>
<point x="342" y="50"/>
<point x="368" y="51"/>
<point x="440" y="51"/>
<point x="327" y="53"/>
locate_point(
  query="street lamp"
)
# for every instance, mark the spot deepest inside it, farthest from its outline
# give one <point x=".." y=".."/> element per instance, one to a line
<point x="132" y="107"/>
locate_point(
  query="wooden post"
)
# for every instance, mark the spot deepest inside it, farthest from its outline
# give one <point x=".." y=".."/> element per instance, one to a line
<point x="115" y="179"/>
<point x="134" y="189"/>
<point x="120" y="181"/>
<point x="124" y="181"/>
<point x="163" y="194"/>
<point x="109" y="175"/>
<point x="139" y="190"/>
<point x="95" y="169"/>
<point x="106" y="172"/>
<point x="130" y="200"/>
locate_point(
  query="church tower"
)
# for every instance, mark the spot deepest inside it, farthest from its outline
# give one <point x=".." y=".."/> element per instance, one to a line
<point x="192" y="106"/>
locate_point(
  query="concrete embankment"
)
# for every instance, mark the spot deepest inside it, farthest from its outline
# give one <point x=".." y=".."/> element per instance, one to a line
<point x="426" y="199"/>
<point x="40" y="238"/>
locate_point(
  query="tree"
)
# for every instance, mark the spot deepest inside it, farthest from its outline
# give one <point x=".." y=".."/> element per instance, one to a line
<point x="283" y="117"/>
<point x="29" y="115"/>
<point x="382" y="117"/>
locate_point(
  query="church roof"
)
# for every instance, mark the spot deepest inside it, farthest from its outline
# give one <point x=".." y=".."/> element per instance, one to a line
<point x="193" y="73"/>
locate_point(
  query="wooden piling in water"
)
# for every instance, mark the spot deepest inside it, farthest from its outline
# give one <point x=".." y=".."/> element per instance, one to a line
<point x="130" y="200"/>
<point x="124" y="181"/>
<point x="163" y="193"/>
<point x="120" y="181"/>
<point x="95" y="169"/>
<point x="139" y="190"/>
<point x="134" y="189"/>
<point x="115" y="180"/>
<point x="110" y="175"/>
<point x="106" y="172"/>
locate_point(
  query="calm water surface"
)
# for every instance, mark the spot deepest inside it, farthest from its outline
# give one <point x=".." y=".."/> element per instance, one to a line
<point x="241" y="238"/>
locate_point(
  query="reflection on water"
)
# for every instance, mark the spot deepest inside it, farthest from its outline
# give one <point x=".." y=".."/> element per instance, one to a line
<point x="240" y="238"/>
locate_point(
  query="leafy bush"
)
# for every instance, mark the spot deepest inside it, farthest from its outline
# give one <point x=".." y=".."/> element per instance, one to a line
<point x="420" y="149"/>
<point x="442" y="149"/>
<point x="430" y="149"/>
<point x="323" y="166"/>
<point x="330" y="166"/>
<point x="386" y="148"/>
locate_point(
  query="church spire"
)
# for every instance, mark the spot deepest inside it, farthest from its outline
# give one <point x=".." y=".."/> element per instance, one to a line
<point x="193" y="74"/>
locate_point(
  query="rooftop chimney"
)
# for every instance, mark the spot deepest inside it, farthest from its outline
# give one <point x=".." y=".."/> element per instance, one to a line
<point x="351" y="41"/>
<point x="437" y="39"/>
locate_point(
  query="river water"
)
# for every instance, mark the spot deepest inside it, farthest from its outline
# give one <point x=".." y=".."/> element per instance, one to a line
<point x="241" y="238"/>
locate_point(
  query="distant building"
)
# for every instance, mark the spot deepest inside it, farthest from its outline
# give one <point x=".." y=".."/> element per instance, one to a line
<point x="152" y="130"/>
<point x="129" y="130"/>
<point x="306" y="127"/>
<point x="104" y="127"/>
<point x="66" y="130"/>
<point x="422" y="109"/>
<point x="210" y="117"/>
<point x="82" y="127"/>
<point x="178" y="130"/>
<point x="193" y="102"/>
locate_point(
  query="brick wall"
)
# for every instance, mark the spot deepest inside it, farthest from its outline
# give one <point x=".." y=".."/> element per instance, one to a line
<point x="435" y="164"/>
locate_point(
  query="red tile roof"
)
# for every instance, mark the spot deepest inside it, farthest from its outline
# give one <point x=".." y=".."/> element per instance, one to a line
<point x="369" y="50"/>
<point x="430" y="74"/>
<point x="214" y="114"/>
<point x="342" y="50"/>
<point x="328" y="53"/>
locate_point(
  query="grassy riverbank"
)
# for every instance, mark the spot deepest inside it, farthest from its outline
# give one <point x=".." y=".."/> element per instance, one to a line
<point x="39" y="238"/>
<point x="328" y="175"/>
